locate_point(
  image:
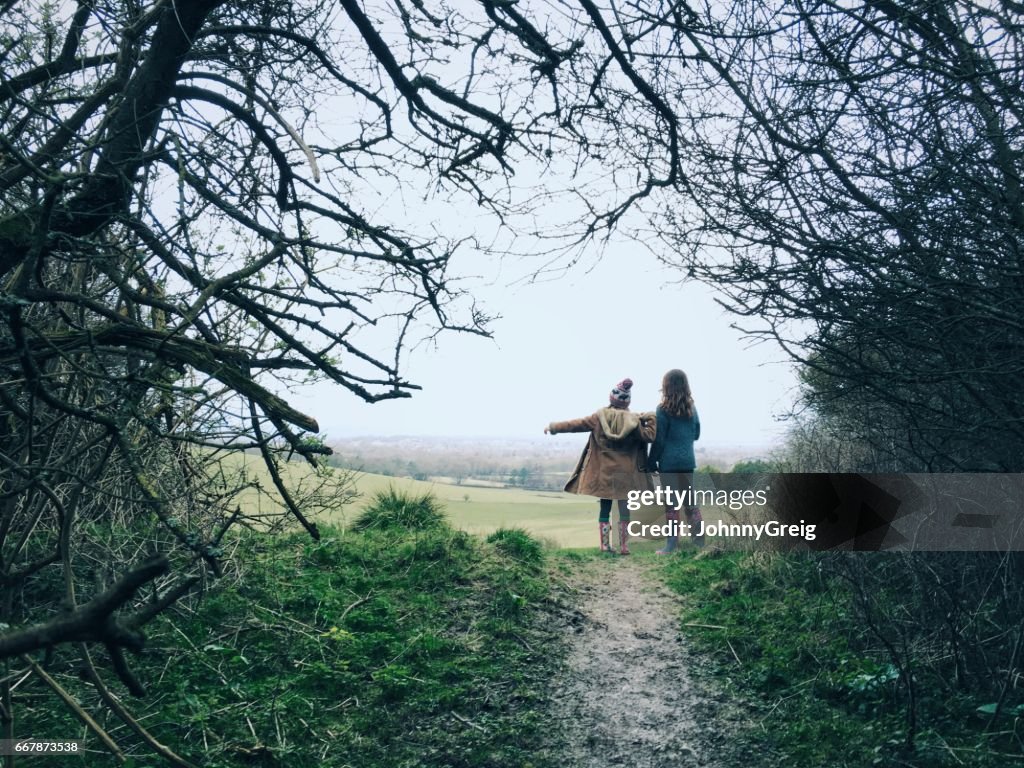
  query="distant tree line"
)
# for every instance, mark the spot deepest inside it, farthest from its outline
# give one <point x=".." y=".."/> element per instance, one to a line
<point x="540" y="471"/>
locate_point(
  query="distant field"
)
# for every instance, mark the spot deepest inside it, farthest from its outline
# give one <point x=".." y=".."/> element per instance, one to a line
<point x="561" y="519"/>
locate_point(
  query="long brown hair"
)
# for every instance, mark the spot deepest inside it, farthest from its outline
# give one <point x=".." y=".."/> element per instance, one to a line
<point x="675" y="394"/>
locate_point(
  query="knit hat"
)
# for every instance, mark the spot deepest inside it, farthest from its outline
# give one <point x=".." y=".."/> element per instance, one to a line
<point x="620" y="396"/>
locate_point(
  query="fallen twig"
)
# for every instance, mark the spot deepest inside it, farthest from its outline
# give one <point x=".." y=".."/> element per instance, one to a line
<point x="115" y="705"/>
<point x="354" y="605"/>
<point x="734" y="654"/>
<point x="75" y="707"/>
<point x="468" y="722"/>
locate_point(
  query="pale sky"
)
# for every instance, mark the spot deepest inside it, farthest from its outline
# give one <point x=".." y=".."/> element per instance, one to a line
<point x="559" y="348"/>
<point x="562" y="344"/>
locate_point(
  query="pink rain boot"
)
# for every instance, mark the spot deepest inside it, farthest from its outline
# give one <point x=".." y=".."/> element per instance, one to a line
<point x="623" y="537"/>
<point x="606" y="535"/>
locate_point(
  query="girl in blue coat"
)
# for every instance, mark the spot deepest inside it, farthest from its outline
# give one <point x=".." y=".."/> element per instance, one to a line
<point x="672" y="453"/>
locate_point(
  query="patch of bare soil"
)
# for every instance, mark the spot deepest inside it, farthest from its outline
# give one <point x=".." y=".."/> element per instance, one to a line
<point x="631" y="693"/>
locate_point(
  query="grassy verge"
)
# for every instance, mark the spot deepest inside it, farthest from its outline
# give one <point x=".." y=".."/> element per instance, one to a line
<point x="783" y="631"/>
<point x="402" y="643"/>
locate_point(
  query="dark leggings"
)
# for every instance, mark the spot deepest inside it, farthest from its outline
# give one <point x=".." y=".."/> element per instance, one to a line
<point x="605" y="513"/>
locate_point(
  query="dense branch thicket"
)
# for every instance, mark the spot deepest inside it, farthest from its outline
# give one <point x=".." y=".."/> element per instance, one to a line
<point x="863" y="179"/>
<point x="849" y="174"/>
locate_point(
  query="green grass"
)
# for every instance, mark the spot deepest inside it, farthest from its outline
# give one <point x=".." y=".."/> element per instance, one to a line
<point x="400" y="641"/>
<point x="519" y="545"/>
<point x="396" y="511"/>
<point x="780" y="631"/>
<point x="394" y="646"/>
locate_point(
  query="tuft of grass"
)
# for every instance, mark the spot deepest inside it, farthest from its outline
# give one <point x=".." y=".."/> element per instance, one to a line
<point x="518" y="544"/>
<point x="394" y="509"/>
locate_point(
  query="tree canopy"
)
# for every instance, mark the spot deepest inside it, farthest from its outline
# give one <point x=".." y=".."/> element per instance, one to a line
<point x="854" y="189"/>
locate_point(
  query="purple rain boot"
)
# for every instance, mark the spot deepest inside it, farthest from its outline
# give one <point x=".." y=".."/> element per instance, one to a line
<point x="695" y="519"/>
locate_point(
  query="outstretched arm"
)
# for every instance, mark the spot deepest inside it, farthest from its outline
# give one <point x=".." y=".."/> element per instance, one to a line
<point x="586" y="424"/>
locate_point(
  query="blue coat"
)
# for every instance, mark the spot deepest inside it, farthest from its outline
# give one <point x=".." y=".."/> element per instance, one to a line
<point x="673" y="443"/>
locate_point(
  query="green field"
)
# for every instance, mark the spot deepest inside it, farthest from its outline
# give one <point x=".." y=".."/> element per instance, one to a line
<point x="558" y="519"/>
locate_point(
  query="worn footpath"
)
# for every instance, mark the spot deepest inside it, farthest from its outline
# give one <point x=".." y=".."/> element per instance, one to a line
<point x="630" y="693"/>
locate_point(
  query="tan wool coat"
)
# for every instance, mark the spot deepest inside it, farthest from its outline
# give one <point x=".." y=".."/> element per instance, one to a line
<point x="613" y="461"/>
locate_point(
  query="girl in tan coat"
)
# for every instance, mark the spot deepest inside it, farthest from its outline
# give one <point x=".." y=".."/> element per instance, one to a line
<point x="613" y="462"/>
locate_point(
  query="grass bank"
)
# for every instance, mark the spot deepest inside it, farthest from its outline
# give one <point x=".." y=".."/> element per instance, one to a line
<point x="788" y="631"/>
<point x="400" y="642"/>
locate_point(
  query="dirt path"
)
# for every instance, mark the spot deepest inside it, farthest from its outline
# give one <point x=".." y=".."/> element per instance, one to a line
<point x="629" y="694"/>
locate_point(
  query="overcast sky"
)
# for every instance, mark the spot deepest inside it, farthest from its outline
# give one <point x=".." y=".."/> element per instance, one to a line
<point x="561" y="345"/>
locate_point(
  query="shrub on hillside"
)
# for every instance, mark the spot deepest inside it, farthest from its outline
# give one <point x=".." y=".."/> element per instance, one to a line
<point x="393" y="508"/>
